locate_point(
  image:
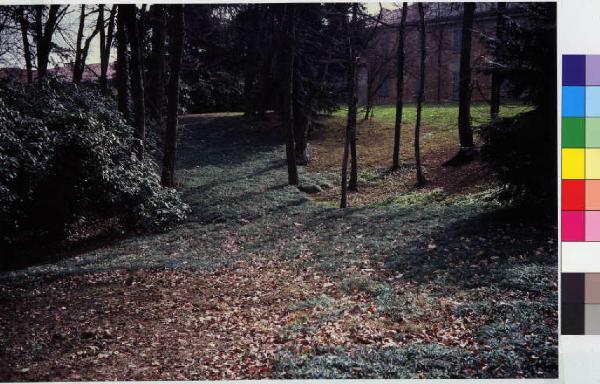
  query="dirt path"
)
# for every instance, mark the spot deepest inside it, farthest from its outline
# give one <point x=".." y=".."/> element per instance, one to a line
<point x="263" y="282"/>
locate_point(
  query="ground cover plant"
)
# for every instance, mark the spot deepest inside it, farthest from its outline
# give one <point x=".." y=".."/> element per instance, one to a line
<point x="273" y="284"/>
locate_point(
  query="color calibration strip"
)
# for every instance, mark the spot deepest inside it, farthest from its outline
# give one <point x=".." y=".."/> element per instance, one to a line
<point x="580" y="209"/>
<point x="580" y="304"/>
<point x="580" y="169"/>
<point x="581" y="148"/>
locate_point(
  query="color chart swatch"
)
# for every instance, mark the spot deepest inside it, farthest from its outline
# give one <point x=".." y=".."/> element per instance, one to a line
<point x="581" y="148"/>
<point x="580" y="304"/>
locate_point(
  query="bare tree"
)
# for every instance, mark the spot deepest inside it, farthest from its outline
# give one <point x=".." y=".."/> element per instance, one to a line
<point x="420" y="95"/>
<point x="352" y="101"/>
<point x="176" y="29"/>
<point x="156" y="69"/>
<point x="399" y="88"/>
<point x="353" y="183"/>
<point x="289" y="95"/>
<point x="496" y="79"/>
<point x="137" y="78"/>
<point x="379" y="71"/>
<point x="122" y="63"/>
<point x="24" y="27"/>
<point x="82" y="47"/>
<point x="465" y="131"/>
<point x="106" y="41"/>
<point x="43" y="34"/>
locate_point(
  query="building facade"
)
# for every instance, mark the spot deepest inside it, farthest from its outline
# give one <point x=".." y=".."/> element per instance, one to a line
<point x="443" y="25"/>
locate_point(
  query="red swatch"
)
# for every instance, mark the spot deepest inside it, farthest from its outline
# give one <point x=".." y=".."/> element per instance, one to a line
<point x="573" y="195"/>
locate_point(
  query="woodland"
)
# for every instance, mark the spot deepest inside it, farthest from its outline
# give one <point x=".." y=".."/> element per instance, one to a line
<point x="211" y="191"/>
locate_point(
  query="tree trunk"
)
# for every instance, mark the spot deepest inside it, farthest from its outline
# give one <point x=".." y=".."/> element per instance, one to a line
<point x="137" y="79"/>
<point x="106" y="39"/>
<point x="301" y="126"/>
<point x="102" y="37"/>
<point x="420" y="95"/>
<point x="122" y="63"/>
<point x="353" y="183"/>
<point x="440" y="51"/>
<point x="251" y="59"/>
<point x="464" y="103"/>
<point x="76" y="72"/>
<point x="81" y="51"/>
<point x="369" y="101"/>
<point x="351" y="90"/>
<point x="175" y="54"/>
<point x="289" y="95"/>
<point x="24" y="25"/>
<point x="43" y="37"/>
<point x="156" y="71"/>
<point x="496" y="79"/>
<point x="399" y="89"/>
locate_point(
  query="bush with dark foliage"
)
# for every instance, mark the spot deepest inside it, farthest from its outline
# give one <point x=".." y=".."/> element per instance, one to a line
<point x="523" y="148"/>
<point x="66" y="159"/>
<point x="523" y="153"/>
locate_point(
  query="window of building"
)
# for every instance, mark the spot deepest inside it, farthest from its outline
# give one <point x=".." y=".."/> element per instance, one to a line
<point x="455" y="85"/>
<point x="456" y="39"/>
<point x="384" y="90"/>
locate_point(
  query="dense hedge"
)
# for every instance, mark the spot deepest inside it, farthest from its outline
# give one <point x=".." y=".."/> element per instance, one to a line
<point x="522" y="150"/>
<point x="66" y="159"/>
<point x="212" y="92"/>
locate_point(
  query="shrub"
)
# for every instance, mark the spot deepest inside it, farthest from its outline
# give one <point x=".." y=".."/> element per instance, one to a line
<point x="212" y="92"/>
<point x="66" y="158"/>
<point x="522" y="150"/>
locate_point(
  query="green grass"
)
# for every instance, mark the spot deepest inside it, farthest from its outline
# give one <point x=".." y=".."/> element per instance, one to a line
<point x="439" y="115"/>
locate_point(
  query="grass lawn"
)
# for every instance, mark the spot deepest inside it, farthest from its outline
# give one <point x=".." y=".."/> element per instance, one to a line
<point x="375" y="137"/>
<point x="438" y="115"/>
<point x="264" y="282"/>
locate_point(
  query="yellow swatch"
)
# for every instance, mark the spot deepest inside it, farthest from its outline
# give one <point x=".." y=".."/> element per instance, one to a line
<point x="592" y="163"/>
<point x="573" y="163"/>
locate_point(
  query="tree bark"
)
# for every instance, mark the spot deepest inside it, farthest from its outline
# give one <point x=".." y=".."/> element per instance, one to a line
<point x="290" y="150"/>
<point x="122" y="63"/>
<point x="353" y="183"/>
<point x="106" y="39"/>
<point x="399" y="89"/>
<point x="496" y="79"/>
<point x="351" y="91"/>
<point x="156" y="71"/>
<point x="44" y="33"/>
<point x="420" y="177"/>
<point x="301" y="126"/>
<point x="440" y="51"/>
<point x="137" y="79"/>
<point x="82" y="47"/>
<point x="252" y="58"/>
<point x="177" y="32"/>
<point x="24" y="26"/>
<point x="76" y="75"/>
<point x="464" y="107"/>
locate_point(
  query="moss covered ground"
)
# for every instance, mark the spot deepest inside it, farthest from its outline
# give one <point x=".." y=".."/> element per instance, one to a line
<point x="265" y="281"/>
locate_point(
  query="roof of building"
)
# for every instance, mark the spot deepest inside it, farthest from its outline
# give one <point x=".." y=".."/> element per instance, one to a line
<point x="65" y="71"/>
<point x="445" y="12"/>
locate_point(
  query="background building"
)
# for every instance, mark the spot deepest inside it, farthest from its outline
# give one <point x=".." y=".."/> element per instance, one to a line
<point x="443" y="25"/>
